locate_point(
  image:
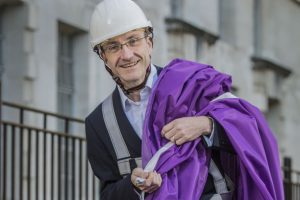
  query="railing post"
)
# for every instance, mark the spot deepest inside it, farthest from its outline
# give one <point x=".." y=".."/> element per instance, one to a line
<point x="1" y="65"/>
<point x="66" y="126"/>
<point x="1" y="69"/>
<point x="1" y="134"/>
<point x="21" y="116"/>
<point x="287" y="164"/>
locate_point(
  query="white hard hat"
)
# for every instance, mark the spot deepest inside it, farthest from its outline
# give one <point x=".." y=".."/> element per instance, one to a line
<point x="115" y="17"/>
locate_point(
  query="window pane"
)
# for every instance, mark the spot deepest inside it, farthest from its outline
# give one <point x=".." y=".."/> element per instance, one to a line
<point x="65" y="74"/>
<point x="227" y="18"/>
<point x="1" y="40"/>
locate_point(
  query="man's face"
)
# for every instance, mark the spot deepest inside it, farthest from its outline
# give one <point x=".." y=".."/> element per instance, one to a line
<point x="131" y="61"/>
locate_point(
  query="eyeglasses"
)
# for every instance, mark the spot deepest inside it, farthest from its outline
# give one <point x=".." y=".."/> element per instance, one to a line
<point x="116" y="47"/>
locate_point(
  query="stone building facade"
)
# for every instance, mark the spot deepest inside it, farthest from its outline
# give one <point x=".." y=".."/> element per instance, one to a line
<point x="47" y="62"/>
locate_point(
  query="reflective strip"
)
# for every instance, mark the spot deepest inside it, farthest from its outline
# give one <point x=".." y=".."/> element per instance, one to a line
<point x="116" y="138"/>
<point x="152" y="163"/>
<point x="124" y="165"/>
<point x="230" y="185"/>
<point x="224" y="96"/>
<point x="219" y="180"/>
<point x="113" y="129"/>
<point x="216" y="197"/>
<point x="225" y="196"/>
<point x="221" y="184"/>
<point x="138" y="162"/>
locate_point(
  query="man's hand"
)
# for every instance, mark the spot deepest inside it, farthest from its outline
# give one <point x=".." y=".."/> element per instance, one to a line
<point x="152" y="180"/>
<point x="187" y="129"/>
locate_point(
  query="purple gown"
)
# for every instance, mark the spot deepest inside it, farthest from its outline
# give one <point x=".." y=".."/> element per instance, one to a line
<point x="186" y="88"/>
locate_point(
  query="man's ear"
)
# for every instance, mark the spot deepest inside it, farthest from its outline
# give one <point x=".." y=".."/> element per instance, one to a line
<point x="150" y="41"/>
<point x="103" y="57"/>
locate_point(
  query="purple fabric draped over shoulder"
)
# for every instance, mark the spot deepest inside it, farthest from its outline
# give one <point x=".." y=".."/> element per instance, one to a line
<point x="186" y="88"/>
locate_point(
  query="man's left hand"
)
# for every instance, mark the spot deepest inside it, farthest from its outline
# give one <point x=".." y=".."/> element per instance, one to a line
<point x="187" y="129"/>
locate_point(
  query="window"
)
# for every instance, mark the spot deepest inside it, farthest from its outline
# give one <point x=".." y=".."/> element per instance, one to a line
<point x="297" y="1"/>
<point x="1" y="41"/>
<point x="227" y="15"/>
<point x="274" y="118"/>
<point x="257" y="12"/>
<point x="65" y="71"/>
<point x="176" y="8"/>
<point x="72" y="84"/>
<point x="65" y="74"/>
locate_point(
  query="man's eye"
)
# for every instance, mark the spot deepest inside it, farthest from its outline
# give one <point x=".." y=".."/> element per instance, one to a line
<point x="112" y="48"/>
<point x="132" y="41"/>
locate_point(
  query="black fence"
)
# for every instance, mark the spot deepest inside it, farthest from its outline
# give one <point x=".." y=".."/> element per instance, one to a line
<point x="39" y="163"/>
<point x="291" y="180"/>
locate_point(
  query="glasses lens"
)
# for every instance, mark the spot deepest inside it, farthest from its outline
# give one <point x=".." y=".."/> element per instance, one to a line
<point x="134" y="42"/>
<point x="112" y="48"/>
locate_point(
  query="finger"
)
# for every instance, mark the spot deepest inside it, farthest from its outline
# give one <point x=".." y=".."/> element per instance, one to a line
<point x="160" y="179"/>
<point x="157" y="179"/>
<point x="167" y="128"/>
<point x="155" y="184"/>
<point x="151" y="189"/>
<point x="139" y="172"/>
<point x="148" y="181"/>
<point x="171" y="134"/>
<point x="181" y="140"/>
<point x="144" y="175"/>
<point x="134" y="176"/>
<point x="177" y="136"/>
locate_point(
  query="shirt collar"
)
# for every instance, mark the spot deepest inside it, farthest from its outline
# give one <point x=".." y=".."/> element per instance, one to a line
<point x="149" y="84"/>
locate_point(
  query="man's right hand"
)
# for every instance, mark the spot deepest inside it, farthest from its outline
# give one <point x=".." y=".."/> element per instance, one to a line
<point x="152" y="180"/>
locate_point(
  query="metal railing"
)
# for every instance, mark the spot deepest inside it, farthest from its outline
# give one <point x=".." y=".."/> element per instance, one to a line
<point x="291" y="183"/>
<point x="38" y="163"/>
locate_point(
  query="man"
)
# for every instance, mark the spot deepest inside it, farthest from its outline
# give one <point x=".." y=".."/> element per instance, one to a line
<point x="122" y="36"/>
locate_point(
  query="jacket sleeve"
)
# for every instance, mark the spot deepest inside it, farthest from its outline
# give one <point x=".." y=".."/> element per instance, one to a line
<point x="219" y="139"/>
<point x="113" y="185"/>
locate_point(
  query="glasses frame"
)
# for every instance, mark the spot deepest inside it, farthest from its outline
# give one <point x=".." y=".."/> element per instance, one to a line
<point x="120" y="45"/>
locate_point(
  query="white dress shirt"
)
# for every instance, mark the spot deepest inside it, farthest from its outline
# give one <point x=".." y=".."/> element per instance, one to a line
<point x="135" y="111"/>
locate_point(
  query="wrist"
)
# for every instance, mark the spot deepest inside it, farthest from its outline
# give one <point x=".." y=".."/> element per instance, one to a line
<point x="209" y="127"/>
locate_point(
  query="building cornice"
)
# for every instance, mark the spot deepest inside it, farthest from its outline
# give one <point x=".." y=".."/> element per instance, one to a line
<point x="178" y="25"/>
<point x="11" y="2"/>
<point x="263" y="63"/>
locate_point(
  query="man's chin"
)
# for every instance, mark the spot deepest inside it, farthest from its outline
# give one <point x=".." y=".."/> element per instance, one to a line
<point x="130" y="83"/>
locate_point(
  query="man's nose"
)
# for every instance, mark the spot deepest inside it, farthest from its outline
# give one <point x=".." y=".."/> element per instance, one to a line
<point x="126" y="52"/>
